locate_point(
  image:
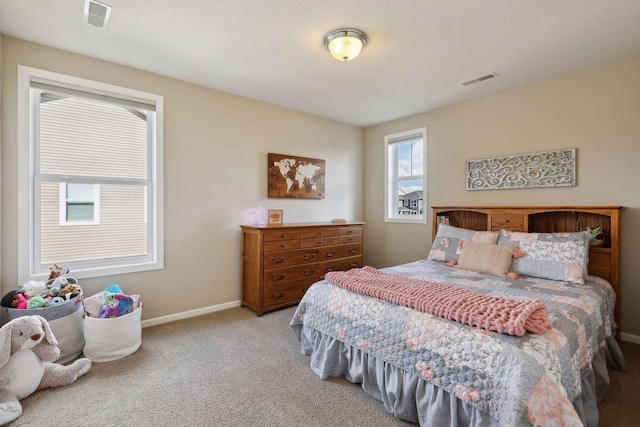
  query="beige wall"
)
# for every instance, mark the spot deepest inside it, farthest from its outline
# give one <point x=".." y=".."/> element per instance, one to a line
<point x="215" y="168"/>
<point x="596" y="111"/>
<point x="215" y="151"/>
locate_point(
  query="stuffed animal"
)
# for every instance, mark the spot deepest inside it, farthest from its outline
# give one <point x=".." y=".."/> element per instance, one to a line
<point x="22" y="305"/>
<point x="32" y="288"/>
<point x="36" y="302"/>
<point x="57" y="271"/>
<point x="28" y="349"/>
<point x="70" y="291"/>
<point x="54" y="286"/>
<point x="596" y="236"/>
<point x="55" y="301"/>
<point x="11" y="299"/>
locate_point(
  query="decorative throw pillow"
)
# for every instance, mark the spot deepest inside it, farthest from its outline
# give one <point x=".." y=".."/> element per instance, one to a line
<point x="446" y="248"/>
<point x="486" y="257"/>
<point x="555" y="256"/>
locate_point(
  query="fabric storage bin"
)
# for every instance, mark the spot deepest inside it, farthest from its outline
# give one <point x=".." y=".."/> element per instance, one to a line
<point x="112" y="338"/>
<point x="66" y="324"/>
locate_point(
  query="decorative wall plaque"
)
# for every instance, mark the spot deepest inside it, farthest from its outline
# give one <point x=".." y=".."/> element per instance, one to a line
<point x="295" y="177"/>
<point x="535" y="170"/>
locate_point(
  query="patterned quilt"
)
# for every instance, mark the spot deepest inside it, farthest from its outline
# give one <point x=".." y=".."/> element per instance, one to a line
<point x="521" y="381"/>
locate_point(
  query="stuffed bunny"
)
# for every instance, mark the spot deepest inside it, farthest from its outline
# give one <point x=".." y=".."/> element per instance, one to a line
<point x="28" y="349"/>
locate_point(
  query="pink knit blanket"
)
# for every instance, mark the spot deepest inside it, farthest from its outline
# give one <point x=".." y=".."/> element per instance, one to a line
<point x="506" y="316"/>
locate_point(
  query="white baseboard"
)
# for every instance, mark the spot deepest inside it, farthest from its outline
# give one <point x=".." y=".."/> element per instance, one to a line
<point x="188" y="314"/>
<point x="630" y="338"/>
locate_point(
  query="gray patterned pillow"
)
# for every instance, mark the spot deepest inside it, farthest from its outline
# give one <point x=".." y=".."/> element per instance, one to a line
<point x="447" y="244"/>
<point x="555" y="256"/>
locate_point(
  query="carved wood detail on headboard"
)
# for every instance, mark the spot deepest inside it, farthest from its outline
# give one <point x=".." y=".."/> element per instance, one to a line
<point x="604" y="261"/>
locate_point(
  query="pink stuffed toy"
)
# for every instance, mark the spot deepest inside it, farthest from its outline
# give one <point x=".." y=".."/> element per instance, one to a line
<point x="23" y="301"/>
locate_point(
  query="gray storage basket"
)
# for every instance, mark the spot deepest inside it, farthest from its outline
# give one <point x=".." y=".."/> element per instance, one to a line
<point x="66" y="324"/>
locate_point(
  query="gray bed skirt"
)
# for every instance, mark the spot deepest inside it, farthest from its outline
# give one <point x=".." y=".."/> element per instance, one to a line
<point x="409" y="397"/>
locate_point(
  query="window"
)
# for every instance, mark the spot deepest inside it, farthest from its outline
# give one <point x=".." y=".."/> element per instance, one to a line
<point x="405" y="176"/>
<point x="91" y="185"/>
<point x="79" y="204"/>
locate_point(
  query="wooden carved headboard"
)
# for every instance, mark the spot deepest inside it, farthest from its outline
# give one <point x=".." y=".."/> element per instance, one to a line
<point x="604" y="261"/>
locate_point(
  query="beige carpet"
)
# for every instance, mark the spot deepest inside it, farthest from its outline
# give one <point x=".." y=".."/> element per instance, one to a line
<point x="232" y="368"/>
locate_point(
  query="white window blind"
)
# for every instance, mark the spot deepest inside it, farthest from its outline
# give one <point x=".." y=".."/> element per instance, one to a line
<point x="96" y="177"/>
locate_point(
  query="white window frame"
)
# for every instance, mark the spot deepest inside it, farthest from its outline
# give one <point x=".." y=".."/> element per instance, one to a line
<point x="391" y="179"/>
<point x="28" y="191"/>
<point x="64" y="201"/>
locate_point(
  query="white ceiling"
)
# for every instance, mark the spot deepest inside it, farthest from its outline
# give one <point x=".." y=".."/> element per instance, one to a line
<point x="419" y="51"/>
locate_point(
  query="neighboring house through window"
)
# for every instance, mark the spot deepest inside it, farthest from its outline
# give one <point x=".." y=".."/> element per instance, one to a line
<point x="92" y="182"/>
<point x="79" y="204"/>
<point x="405" y="176"/>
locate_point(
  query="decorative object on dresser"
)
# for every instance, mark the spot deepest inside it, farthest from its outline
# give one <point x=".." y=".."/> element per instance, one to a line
<point x="535" y="170"/>
<point x="294" y="177"/>
<point x="275" y="217"/>
<point x="279" y="263"/>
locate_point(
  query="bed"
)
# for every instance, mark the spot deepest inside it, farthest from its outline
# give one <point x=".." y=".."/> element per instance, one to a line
<point x="450" y="371"/>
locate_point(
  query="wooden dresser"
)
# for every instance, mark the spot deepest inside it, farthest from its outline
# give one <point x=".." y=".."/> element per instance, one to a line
<point x="604" y="261"/>
<point x="279" y="263"/>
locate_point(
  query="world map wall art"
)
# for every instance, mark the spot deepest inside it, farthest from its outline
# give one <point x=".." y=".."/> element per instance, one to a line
<point x="293" y="177"/>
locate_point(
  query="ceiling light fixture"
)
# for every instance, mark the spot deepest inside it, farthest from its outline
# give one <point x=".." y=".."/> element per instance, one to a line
<point x="345" y="43"/>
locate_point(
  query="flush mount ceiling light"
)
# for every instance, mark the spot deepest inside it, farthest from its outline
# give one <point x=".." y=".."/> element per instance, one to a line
<point x="345" y="43"/>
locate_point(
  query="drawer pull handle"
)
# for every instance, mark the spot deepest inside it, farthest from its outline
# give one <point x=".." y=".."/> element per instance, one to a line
<point x="353" y="250"/>
<point x="280" y="295"/>
<point x="320" y="233"/>
<point x="277" y="277"/>
<point x="283" y="236"/>
<point x="330" y="254"/>
<point x="507" y="221"/>
<point x="332" y="268"/>
<point x="308" y="257"/>
<point x="282" y="245"/>
<point x="350" y="232"/>
<point x="275" y="260"/>
<point x="309" y="273"/>
<point x="353" y="265"/>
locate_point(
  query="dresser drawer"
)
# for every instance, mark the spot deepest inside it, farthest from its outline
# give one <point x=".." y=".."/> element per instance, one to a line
<point x="291" y="274"/>
<point x="281" y="245"/>
<point x="318" y="233"/>
<point x="316" y="243"/>
<point x="286" y="293"/>
<point x="511" y="222"/>
<point x="343" y="264"/>
<point x="348" y="231"/>
<point x="273" y="236"/>
<point x="356" y="238"/>
<point x="341" y="251"/>
<point x="286" y="259"/>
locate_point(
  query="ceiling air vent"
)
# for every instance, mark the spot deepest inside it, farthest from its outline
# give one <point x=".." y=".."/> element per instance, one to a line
<point x="97" y="14"/>
<point x="479" y="79"/>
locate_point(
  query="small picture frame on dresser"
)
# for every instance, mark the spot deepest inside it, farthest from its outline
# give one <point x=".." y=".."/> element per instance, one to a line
<point x="275" y="216"/>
